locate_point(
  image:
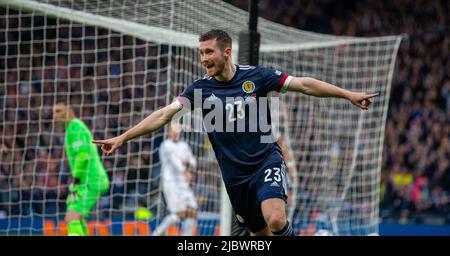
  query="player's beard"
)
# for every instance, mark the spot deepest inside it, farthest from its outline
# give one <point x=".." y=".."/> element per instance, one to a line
<point x="217" y="69"/>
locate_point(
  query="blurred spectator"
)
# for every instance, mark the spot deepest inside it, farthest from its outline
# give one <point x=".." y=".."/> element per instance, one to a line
<point x="111" y="80"/>
<point x="108" y="78"/>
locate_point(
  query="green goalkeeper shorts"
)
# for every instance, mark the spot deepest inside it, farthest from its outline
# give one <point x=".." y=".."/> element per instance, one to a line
<point x="83" y="197"/>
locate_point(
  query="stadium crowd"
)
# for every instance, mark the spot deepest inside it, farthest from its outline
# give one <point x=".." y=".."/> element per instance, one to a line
<point x="97" y="72"/>
<point x="415" y="181"/>
<point x="34" y="176"/>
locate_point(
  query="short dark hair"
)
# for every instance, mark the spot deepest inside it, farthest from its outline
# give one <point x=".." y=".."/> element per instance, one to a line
<point x="67" y="105"/>
<point x="222" y="38"/>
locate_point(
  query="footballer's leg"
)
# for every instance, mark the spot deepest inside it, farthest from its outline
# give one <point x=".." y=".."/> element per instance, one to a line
<point x="79" y="206"/>
<point x="264" y="232"/>
<point x="175" y="206"/>
<point x="188" y="224"/>
<point x="274" y="213"/>
<point x="246" y="209"/>
<point x="73" y="217"/>
<point x="74" y="224"/>
<point x="271" y="190"/>
<point x="190" y="221"/>
<point x="237" y="230"/>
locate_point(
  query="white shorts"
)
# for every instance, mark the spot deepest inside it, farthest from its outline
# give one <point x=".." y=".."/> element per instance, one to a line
<point x="179" y="197"/>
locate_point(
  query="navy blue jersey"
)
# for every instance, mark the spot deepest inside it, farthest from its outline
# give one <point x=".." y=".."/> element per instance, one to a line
<point x="237" y="118"/>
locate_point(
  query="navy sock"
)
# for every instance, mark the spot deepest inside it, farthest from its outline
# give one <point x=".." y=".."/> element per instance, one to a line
<point x="286" y="231"/>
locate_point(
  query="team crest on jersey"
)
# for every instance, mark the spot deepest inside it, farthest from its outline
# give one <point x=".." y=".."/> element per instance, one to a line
<point x="248" y="86"/>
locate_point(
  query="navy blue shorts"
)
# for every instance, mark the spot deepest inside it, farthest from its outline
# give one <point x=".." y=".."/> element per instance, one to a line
<point x="268" y="181"/>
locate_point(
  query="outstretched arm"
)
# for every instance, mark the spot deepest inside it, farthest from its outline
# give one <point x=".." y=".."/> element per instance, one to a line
<point x="314" y="87"/>
<point x="151" y="123"/>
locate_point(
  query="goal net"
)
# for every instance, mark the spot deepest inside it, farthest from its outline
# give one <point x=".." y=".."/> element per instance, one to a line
<point x="115" y="62"/>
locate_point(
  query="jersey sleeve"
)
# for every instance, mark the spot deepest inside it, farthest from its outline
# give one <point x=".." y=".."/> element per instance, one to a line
<point x="275" y="80"/>
<point x="186" y="99"/>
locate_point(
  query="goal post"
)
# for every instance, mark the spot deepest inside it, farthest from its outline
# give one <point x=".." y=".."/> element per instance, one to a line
<point x="117" y="61"/>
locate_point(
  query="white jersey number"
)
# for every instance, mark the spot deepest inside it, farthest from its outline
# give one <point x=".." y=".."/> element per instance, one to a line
<point x="276" y="175"/>
<point x="230" y="110"/>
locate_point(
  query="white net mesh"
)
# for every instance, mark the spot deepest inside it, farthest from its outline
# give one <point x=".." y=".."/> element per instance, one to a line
<point x="117" y="61"/>
<point x="112" y="81"/>
<point x="337" y="147"/>
<point x="191" y="17"/>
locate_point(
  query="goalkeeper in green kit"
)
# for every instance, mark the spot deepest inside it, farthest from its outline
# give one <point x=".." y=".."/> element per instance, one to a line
<point x="89" y="175"/>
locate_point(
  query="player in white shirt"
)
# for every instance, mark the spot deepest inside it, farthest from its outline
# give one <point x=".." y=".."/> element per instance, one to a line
<point x="176" y="159"/>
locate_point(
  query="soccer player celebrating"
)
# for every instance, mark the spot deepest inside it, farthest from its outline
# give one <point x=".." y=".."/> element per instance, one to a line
<point x="252" y="167"/>
<point x="176" y="160"/>
<point x="88" y="173"/>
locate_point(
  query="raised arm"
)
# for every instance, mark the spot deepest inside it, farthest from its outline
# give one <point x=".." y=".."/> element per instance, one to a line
<point x="151" y="123"/>
<point x="314" y="87"/>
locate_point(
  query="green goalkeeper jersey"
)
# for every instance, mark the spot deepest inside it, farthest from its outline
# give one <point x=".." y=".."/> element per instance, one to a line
<point x="83" y="157"/>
